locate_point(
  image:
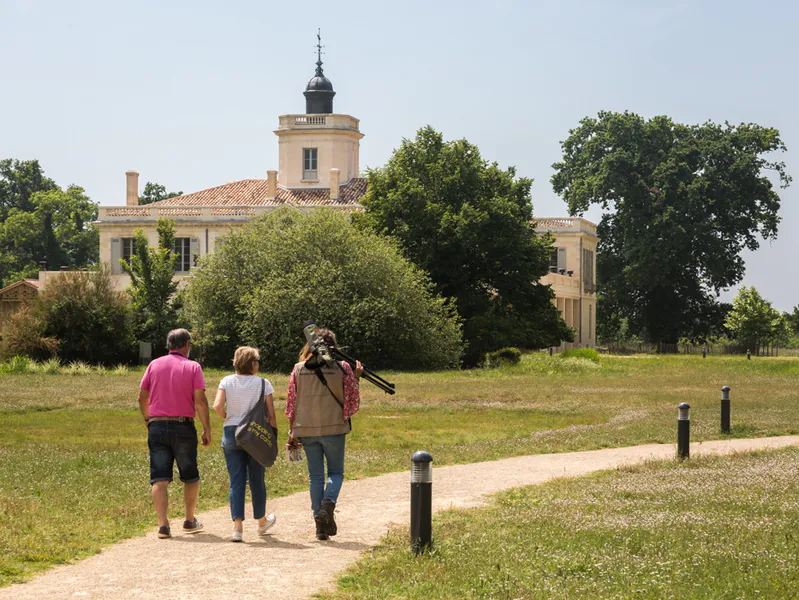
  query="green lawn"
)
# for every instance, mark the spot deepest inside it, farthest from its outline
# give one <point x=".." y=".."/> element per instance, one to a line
<point x="717" y="527"/>
<point x="73" y="452"/>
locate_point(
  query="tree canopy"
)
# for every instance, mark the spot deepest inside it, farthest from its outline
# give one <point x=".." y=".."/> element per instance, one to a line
<point x="468" y="223"/>
<point x="753" y="321"/>
<point x="274" y="273"/>
<point x="152" y="289"/>
<point x="681" y="201"/>
<point x="40" y="221"/>
<point x="155" y="192"/>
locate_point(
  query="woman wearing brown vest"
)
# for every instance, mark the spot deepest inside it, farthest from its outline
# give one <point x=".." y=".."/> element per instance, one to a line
<point x="319" y="413"/>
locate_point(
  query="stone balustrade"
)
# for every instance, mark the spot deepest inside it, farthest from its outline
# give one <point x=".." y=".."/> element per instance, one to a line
<point x="193" y="213"/>
<point x="332" y="121"/>
<point x="565" y="225"/>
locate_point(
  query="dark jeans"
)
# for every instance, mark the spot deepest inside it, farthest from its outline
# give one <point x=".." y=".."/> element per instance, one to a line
<point x="240" y="467"/>
<point x="170" y="442"/>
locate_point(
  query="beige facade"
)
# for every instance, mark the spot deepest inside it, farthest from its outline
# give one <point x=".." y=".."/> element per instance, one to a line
<point x="336" y="140"/>
<point x="573" y="275"/>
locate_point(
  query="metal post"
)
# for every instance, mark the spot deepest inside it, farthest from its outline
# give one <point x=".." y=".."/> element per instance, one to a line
<point x="421" y="502"/>
<point x="748" y="354"/>
<point x="550" y="350"/>
<point x="725" y="409"/>
<point x="704" y="351"/>
<point x="683" y="431"/>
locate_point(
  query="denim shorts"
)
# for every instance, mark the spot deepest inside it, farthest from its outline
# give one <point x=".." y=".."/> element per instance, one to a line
<point x="170" y="442"/>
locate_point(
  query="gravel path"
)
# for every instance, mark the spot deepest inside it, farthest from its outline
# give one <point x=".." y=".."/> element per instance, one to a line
<point x="290" y="563"/>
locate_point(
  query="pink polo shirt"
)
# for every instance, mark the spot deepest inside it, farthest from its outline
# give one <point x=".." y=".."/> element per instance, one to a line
<point x="171" y="381"/>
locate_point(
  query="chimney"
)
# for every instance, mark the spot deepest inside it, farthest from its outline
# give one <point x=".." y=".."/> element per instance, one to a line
<point x="132" y="194"/>
<point x="271" y="184"/>
<point x="334" y="179"/>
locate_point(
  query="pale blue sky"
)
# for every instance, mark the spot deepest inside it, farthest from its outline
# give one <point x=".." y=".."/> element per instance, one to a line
<point x="188" y="93"/>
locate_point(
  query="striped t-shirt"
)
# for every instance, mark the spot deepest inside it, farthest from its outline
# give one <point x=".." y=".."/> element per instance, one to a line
<point x="241" y="395"/>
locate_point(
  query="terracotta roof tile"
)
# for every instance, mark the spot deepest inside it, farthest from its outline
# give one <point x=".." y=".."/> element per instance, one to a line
<point x="252" y="192"/>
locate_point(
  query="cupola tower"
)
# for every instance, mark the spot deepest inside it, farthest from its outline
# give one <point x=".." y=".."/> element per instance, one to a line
<point x="318" y="149"/>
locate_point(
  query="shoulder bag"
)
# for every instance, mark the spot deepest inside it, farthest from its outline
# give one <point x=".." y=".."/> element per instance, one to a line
<point x="256" y="436"/>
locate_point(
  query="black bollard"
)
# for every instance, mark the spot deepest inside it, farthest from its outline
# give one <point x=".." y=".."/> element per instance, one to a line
<point x="725" y="409"/>
<point x="684" y="431"/>
<point x="704" y="351"/>
<point x="421" y="502"/>
<point x="748" y="354"/>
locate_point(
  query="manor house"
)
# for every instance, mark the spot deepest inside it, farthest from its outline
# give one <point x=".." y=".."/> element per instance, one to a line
<point x="318" y="167"/>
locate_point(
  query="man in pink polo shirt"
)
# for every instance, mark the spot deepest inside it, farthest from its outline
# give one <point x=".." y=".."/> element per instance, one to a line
<point x="172" y="392"/>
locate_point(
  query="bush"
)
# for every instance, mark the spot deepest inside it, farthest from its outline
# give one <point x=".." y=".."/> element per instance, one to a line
<point x="587" y="353"/>
<point x="88" y="317"/>
<point x="24" y="336"/>
<point x="504" y="356"/>
<point x="276" y="272"/>
<point x="16" y="365"/>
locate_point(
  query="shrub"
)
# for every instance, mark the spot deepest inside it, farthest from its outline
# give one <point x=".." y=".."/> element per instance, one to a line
<point x="587" y="353"/>
<point x="88" y="317"/>
<point x="24" y="336"/>
<point x="16" y="365"/>
<point x="120" y="370"/>
<point x="274" y="273"/>
<point x="503" y="356"/>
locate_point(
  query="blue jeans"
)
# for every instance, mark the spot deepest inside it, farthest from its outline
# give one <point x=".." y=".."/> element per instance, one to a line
<point x="240" y="465"/>
<point x="317" y="450"/>
<point x="172" y="442"/>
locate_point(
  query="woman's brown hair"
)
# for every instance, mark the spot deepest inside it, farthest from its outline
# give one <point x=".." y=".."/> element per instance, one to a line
<point x="245" y="359"/>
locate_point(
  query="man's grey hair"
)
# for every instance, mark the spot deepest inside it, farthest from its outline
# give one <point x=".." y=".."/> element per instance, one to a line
<point x="177" y="338"/>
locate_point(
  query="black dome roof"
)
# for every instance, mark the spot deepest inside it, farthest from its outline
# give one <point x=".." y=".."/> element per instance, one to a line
<point x="319" y="83"/>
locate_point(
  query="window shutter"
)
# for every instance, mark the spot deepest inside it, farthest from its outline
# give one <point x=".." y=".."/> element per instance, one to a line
<point x="561" y="258"/>
<point x="116" y="254"/>
<point x="195" y="251"/>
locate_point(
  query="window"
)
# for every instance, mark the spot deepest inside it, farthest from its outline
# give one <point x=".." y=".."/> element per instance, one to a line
<point x="553" y="261"/>
<point x="127" y="248"/>
<point x="589" y="283"/>
<point x="182" y="248"/>
<point x="310" y="158"/>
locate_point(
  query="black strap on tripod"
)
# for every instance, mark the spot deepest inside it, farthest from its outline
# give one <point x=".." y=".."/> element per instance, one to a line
<point x="323" y="379"/>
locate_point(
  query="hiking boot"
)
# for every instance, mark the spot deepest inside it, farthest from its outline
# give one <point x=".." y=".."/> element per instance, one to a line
<point x="192" y="526"/>
<point x="270" y="521"/>
<point x="163" y="532"/>
<point x="326" y="511"/>
<point x="321" y="528"/>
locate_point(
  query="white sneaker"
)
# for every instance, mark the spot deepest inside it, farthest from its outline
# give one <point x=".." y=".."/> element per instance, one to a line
<point x="236" y="536"/>
<point x="271" y="519"/>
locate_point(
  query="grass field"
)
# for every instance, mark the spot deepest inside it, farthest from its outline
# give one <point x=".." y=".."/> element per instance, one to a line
<point x="73" y="453"/>
<point x="720" y="527"/>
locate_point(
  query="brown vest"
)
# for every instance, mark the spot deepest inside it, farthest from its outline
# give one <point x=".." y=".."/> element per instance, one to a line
<point x="316" y="411"/>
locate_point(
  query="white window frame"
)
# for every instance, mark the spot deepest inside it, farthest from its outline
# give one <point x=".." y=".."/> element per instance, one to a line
<point x="310" y="164"/>
<point x="182" y="248"/>
<point x="127" y="248"/>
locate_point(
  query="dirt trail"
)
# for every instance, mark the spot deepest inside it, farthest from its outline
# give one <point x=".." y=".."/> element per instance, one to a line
<point x="291" y="563"/>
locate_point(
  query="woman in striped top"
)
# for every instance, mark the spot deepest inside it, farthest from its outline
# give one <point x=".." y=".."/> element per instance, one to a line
<point x="235" y="398"/>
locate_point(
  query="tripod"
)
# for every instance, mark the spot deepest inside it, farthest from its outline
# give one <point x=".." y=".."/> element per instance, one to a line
<point x="368" y="374"/>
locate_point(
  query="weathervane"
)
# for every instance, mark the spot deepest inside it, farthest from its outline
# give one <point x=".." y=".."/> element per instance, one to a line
<point x="319" y="47"/>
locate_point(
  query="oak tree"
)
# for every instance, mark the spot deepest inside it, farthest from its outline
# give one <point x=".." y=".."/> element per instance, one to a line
<point x="468" y="223"/>
<point x="681" y="202"/>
